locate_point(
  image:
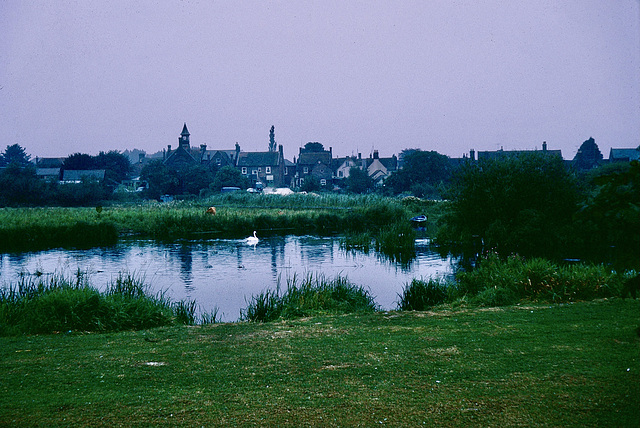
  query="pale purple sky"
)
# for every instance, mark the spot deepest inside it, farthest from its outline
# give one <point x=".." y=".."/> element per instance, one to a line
<point x="94" y="75"/>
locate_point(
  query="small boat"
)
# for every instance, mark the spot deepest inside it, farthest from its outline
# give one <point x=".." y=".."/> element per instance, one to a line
<point x="419" y="222"/>
<point x="419" y="219"/>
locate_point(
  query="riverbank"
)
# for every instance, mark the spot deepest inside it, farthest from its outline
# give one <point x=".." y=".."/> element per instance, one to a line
<point x="29" y="229"/>
<point x="535" y="365"/>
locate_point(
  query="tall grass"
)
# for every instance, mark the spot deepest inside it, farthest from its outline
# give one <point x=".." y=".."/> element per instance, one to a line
<point x="237" y="215"/>
<point x="421" y="294"/>
<point x="60" y="304"/>
<point x="312" y="295"/>
<point x="502" y="282"/>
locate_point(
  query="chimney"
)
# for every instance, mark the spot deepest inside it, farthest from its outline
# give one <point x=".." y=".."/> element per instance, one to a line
<point x="168" y="148"/>
<point x="544" y="146"/>
<point x="472" y="154"/>
<point x="376" y="155"/>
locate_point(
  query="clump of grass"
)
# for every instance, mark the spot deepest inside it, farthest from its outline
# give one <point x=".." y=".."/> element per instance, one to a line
<point x="420" y="295"/>
<point x="397" y="241"/>
<point x="357" y="241"/>
<point x="498" y="282"/>
<point x="313" y="295"/>
<point x="56" y="304"/>
<point x="186" y="312"/>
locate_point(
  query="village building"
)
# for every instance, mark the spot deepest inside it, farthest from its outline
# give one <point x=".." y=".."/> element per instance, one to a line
<point x="314" y="161"/>
<point x="501" y="154"/>
<point x="624" y="155"/>
<point x="267" y="168"/>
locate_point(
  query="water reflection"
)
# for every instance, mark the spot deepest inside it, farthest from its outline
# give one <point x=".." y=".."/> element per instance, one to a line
<point x="226" y="273"/>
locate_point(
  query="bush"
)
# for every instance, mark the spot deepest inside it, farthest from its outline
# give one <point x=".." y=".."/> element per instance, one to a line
<point x="420" y="295"/>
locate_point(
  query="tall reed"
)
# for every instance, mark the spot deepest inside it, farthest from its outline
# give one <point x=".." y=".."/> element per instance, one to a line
<point x="60" y="304"/>
<point x="503" y="282"/>
<point x="312" y="295"/>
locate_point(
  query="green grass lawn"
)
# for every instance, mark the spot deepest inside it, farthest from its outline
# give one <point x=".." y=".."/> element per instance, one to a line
<point x="540" y="365"/>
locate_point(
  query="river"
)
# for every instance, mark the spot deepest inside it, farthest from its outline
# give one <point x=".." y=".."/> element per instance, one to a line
<point x="224" y="274"/>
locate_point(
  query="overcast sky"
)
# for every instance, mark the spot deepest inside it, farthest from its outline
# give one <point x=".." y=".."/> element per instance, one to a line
<point x="93" y="75"/>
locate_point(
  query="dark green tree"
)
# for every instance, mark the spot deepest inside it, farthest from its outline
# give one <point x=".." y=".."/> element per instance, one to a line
<point x="358" y="181"/>
<point x="314" y="147"/>
<point x="272" y="139"/>
<point x="19" y="185"/>
<point x="310" y="184"/>
<point x="521" y="204"/>
<point x="588" y="155"/>
<point x="15" y="154"/>
<point x="116" y="165"/>
<point x="88" y="192"/>
<point x="160" y="179"/>
<point x="79" y="161"/>
<point x="422" y="173"/>
<point x="609" y="218"/>
<point x="229" y="176"/>
<point x="195" y="178"/>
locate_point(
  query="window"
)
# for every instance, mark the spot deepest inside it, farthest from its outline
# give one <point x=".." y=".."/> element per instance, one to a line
<point x="323" y="182"/>
<point x="218" y="161"/>
<point x="254" y="172"/>
<point x="306" y="170"/>
<point x="244" y="170"/>
<point x="267" y="170"/>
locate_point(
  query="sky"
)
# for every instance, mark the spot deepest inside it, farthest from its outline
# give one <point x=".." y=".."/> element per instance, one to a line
<point x="84" y="76"/>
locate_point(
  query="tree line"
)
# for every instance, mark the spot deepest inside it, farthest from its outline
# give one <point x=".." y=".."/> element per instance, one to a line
<point x="532" y="204"/>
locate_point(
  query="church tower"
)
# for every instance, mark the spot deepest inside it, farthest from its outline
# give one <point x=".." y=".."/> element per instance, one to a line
<point x="183" y="140"/>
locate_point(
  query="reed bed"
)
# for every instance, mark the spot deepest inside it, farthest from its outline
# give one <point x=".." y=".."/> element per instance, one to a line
<point x="47" y="304"/>
<point x="237" y="215"/>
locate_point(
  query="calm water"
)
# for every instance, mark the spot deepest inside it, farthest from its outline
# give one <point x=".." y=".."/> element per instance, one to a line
<point x="226" y="273"/>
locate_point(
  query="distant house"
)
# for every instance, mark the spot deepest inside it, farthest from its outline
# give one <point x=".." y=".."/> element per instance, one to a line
<point x="182" y="156"/>
<point x="216" y="159"/>
<point x="345" y="165"/>
<point x="185" y="155"/>
<point x="266" y="167"/>
<point x="49" y="162"/>
<point x="376" y="167"/>
<point x="49" y="174"/>
<point x="76" y="176"/>
<point x="501" y="154"/>
<point x="380" y="168"/>
<point x="314" y="161"/>
<point x="624" y="155"/>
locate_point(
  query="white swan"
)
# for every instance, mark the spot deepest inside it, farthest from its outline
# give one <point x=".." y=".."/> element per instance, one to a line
<point x="252" y="240"/>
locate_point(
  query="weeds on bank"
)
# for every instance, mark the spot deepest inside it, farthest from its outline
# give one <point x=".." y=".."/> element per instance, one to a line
<point x="59" y="304"/>
<point x="498" y="282"/>
<point x="312" y="295"/>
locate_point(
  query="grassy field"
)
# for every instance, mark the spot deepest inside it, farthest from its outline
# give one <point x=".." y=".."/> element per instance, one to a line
<point x="573" y="364"/>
